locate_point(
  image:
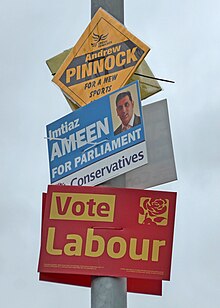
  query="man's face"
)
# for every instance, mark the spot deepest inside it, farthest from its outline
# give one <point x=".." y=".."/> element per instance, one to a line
<point x="125" y="109"/>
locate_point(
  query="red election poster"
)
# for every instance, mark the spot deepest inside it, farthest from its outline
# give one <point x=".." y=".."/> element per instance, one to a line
<point x="105" y="231"/>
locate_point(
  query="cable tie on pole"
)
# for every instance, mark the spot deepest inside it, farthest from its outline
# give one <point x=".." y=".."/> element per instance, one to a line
<point x="155" y="78"/>
<point x="108" y="228"/>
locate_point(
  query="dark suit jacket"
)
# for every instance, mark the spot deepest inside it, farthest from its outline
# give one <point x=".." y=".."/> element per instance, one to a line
<point x="137" y="120"/>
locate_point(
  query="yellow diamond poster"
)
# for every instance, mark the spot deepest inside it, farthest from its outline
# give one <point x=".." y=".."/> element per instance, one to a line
<point x="102" y="61"/>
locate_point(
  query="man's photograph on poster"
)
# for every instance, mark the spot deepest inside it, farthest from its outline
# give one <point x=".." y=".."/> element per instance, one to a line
<point x="125" y="109"/>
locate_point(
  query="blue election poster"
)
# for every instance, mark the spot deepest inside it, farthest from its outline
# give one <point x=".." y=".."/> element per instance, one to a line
<point x="99" y="141"/>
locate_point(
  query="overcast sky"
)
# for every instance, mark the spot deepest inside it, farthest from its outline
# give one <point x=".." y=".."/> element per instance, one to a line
<point x="184" y="37"/>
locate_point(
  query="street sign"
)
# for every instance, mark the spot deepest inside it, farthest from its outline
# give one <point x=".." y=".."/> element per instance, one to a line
<point x="102" y="61"/>
<point x="90" y="146"/>
<point x="99" y="231"/>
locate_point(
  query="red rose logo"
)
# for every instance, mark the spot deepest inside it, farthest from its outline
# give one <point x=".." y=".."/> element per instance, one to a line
<point x="153" y="211"/>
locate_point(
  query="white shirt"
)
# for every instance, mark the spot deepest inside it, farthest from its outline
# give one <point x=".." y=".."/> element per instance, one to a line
<point x="130" y="124"/>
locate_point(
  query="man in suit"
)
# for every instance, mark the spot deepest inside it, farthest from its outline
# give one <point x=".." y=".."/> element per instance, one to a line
<point x="125" y="111"/>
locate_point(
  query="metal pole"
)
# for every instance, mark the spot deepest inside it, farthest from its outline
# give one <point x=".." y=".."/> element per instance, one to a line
<point x="113" y="7"/>
<point x="109" y="292"/>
